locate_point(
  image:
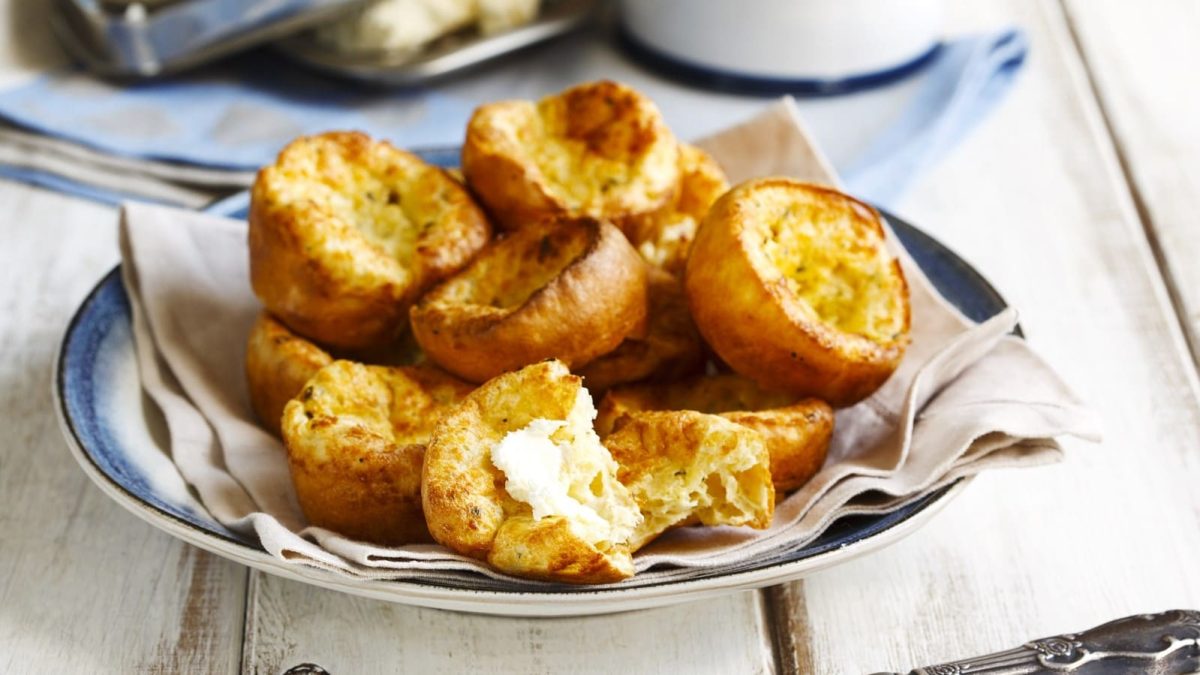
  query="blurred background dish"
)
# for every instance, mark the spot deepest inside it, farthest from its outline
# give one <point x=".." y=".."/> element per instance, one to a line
<point x="409" y="42"/>
<point x="398" y="42"/>
<point x="787" y="46"/>
<point x="408" y="25"/>
<point x="126" y="38"/>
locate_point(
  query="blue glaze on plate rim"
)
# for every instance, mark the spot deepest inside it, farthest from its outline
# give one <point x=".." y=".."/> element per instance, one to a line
<point x="709" y="77"/>
<point x="105" y="315"/>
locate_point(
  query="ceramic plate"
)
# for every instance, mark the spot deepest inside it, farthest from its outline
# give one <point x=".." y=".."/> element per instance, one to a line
<point x="119" y="438"/>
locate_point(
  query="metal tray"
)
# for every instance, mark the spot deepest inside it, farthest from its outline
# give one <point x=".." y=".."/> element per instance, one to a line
<point x="446" y="55"/>
<point x="153" y="37"/>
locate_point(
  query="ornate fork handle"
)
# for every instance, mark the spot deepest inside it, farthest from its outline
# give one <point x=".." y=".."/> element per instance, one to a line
<point x="1147" y="644"/>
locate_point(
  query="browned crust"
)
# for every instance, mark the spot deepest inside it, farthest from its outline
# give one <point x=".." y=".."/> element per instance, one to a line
<point x="278" y="363"/>
<point x="466" y="507"/>
<point x="664" y="237"/>
<point x="797" y="439"/>
<point x="321" y="295"/>
<point x="759" y="329"/>
<point x="510" y="187"/>
<point x="606" y="119"/>
<point x="360" y="481"/>
<point x="670" y="349"/>
<point x="369" y="490"/>
<point x="583" y="312"/>
<point x="796" y="432"/>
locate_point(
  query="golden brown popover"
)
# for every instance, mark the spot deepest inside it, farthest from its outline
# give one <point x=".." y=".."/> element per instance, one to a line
<point x="516" y="476"/>
<point x="599" y="149"/>
<point x="278" y="363"/>
<point x="345" y="232"/>
<point x="792" y="286"/>
<point x="796" y="432"/>
<point x="565" y="289"/>
<point x="664" y="237"/>
<point x="356" y="437"/>
<point x="669" y="349"/>
<point x="683" y="467"/>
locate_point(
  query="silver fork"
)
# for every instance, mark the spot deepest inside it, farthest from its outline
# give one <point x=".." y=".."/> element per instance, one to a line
<point x="1146" y="644"/>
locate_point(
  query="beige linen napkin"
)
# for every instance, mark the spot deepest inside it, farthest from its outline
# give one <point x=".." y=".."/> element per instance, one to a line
<point x="966" y="397"/>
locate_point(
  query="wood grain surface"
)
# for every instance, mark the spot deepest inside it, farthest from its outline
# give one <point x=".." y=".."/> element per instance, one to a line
<point x="84" y="586"/>
<point x="291" y="623"/>
<point x="1142" y="58"/>
<point x="1075" y="198"/>
<point x="1037" y="201"/>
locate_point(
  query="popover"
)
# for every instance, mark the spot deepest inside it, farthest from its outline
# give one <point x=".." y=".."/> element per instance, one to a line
<point x="684" y="467"/>
<point x="599" y="149"/>
<point x="516" y="476"/>
<point x="796" y="432"/>
<point x="669" y="349"/>
<point x="356" y="438"/>
<point x="664" y="237"/>
<point x="792" y="285"/>
<point x="565" y="289"/>
<point x="278" y="364"/>
<point x="345" y="232"/>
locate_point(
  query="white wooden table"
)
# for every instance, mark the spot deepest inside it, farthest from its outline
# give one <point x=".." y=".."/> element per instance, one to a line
<point x="1078" y="198"/>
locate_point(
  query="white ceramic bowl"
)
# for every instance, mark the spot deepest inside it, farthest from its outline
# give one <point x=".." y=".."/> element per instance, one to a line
<point x="798" y="40"/>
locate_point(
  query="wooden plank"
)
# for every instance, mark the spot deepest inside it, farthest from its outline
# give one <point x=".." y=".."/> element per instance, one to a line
<point x="290" y="623"/>
<point x="1037" y="201"/>
<point x="84" y="586"/>
<point x="1142" y="60"/>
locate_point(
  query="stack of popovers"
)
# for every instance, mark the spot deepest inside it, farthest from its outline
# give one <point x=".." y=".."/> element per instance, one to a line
<point x="609" y="263"/>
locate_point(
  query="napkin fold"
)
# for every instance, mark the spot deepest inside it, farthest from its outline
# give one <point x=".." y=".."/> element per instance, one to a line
<point x="967" y="398"/>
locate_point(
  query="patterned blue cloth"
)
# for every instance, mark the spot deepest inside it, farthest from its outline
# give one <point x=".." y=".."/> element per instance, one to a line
<point x="238" y="115"/>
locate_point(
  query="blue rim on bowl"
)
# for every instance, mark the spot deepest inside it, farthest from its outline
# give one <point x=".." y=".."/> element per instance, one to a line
<point x="85" y="389"/>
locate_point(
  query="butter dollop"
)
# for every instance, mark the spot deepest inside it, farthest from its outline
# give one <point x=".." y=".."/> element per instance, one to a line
<point x="551" y="464"/>
<point x="533" y="466"/>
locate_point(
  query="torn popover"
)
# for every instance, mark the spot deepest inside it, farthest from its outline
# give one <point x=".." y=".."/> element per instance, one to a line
<point x="565" y="289"/>
<point x="683" y="467"/>
<point x="356" y="438"/>
<point x="599" y="149"/>
<point x="516" y="476"/>
<point x="792" y="285"/>
<point x="345" y="232"/>
<point x="796" y="431"/>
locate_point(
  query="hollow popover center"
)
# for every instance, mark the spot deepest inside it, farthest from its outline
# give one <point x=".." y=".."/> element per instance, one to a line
<point x="833" y="260"/>
<point x="517" y="266"/>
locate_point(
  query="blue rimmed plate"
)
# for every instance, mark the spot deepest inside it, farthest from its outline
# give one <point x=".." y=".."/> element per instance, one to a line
<point x="118" y="437"/>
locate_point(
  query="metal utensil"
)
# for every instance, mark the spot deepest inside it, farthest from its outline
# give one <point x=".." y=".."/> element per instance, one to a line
<point x="444" y="56"/>
<point x="1146" y="644"/>
<point x="145" y="39"/>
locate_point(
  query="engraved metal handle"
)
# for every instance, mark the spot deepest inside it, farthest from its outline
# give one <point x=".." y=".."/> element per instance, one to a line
<point x="1147" y="644"/>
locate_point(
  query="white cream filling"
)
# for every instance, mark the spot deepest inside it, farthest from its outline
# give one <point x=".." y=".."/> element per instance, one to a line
<point x="552" y="465"/>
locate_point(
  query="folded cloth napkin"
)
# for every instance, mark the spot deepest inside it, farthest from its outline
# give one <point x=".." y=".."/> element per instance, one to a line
<point x="189" y="139"/>
<point x="966" y="397"/>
